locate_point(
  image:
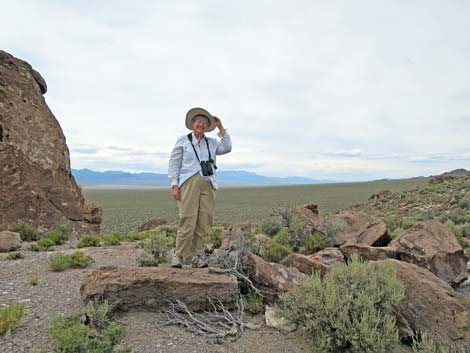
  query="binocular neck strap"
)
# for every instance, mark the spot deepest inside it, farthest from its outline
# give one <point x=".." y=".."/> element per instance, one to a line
<point x="190" y="138"/>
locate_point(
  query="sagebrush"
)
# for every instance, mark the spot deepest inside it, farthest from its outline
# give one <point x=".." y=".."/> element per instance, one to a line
<point x="155" y="249"/>
<point x="70" y="335"/>
<point x="10" y="316"/>
<point x="351" y="310"/>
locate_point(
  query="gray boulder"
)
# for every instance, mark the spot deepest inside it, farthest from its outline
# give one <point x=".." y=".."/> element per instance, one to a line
<point x="9" y="241"/>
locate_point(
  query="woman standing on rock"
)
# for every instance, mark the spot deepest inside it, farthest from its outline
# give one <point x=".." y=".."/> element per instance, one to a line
<point x="191" y="171"/>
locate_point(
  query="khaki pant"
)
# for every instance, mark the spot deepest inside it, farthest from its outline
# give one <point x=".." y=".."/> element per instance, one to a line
<point x="196" y="212"/>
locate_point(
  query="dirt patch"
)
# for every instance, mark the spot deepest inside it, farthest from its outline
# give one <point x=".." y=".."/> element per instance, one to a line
<point x="59" y="293"/>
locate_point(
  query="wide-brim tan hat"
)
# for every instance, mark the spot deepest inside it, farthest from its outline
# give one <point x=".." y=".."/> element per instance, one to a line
<point x="194" y="112"/>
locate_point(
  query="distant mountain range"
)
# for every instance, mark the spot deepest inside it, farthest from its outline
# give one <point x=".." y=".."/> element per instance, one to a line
<point x="87" y="177"/>
<point x="457" y="172"/>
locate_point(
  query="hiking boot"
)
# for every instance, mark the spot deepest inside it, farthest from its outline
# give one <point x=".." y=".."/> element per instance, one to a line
<point x="176" y="262"/>
<point x="199" y="261"/>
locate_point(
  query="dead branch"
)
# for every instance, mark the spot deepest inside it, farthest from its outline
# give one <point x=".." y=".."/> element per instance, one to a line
<point x="216" y="323"/>
<point x="235" y="270"/>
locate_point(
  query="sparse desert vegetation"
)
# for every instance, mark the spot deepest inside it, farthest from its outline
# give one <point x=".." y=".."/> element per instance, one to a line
<point x="349" y="307"/>
<point x="125" y="209"/>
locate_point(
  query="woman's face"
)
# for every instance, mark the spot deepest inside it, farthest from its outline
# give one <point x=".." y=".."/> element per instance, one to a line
<point x="200" y="125"/>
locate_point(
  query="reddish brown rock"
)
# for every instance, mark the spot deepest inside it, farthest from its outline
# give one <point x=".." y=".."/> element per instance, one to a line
<point x="264" y="240"/>
<point x="441" y="179"/>
<point x="9" y="241"/>
<point x="35" y="177"/>
<point x="153" y="288"/>
<point x="381" y="195"/>
<point x="369" y="252"/>
<point x="433" y="245"/>
<point x="304" y="219"/>
<point x="321" y="261"/>
<point x="234" y="236"/>
<point x="360" y="228"/>
<point x="152" y="224"/>
<point x="308" y="207"/>
<point x="270" y="276"/>
<point x="431" y="305"/>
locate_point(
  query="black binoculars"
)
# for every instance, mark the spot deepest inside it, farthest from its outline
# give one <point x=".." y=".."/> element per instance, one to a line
<point x="206" y="167"/>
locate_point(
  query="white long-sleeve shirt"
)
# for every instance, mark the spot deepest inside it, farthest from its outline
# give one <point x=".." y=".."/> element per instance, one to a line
<point x="184" y="163"/>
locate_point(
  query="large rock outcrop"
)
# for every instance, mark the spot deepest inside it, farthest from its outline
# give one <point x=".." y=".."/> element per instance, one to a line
<point x="433" y="245"/>
<point x="360" y="228"/>
<point x="35" y="177"/>
<point x="431" y="305"/>
<point x="153" y="288"/>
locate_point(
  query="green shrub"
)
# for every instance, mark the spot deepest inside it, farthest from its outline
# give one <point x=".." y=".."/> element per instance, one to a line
<point x="315" y="242"/>
<point x="351" y="310"/>
<point x="466" y="229"/>
<point x="89" y="241"/>
<point x="112" y="239"/>
<point x="134" y="235"/>
<point x="69" y="335"/>
<point x="59" y="235"/>
<point x="45" y="244"/>
<point x="407" y="223"/>
<point x="97" y="314"/>
<point x="168" y="230"/>
<point x="26" y="231"/>
<point x="396" y="232"/>
<point x="392" y="222"/>
<point x="424" y="343"/>
<point x="271" y="227"/>
<point x="33" y="278"/>
<point x="34" y="247"/>
<point x="251" y="244"/>
<point x="155" y="250"/>
<point x="458" y="230"/>
<point x="78" y="259"/>
<point x="59" y="262"/>
<point x="275" y="251"/>
<point x="14" y="255"/>
<point x="254" y="302"/>
<point x="216" y="236"/>
<point x="331" y="226"/>
<point x="464" y="203"/>
<point x="284" y="237"/>
<point x="456" y="215"/>
<point x="10" y="316"/>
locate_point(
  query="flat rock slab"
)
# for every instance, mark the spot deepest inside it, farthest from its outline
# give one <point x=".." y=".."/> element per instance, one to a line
<point x="372" y="253"/>
<point x="152" y="288"/>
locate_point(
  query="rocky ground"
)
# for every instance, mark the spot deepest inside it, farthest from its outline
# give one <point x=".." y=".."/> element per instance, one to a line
<point x="445" y="199"/>
<point x="59" y="293"/>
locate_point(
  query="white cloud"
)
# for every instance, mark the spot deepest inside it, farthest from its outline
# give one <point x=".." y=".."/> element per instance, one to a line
<point x="333" y="89"/>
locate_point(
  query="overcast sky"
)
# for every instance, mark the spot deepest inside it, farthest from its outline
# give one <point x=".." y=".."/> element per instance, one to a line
<point x="341" y="90"/>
